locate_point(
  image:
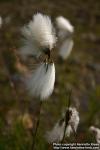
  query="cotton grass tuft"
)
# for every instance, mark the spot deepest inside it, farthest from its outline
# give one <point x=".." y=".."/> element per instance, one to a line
<point x="56" y="134"/>
<point x="40" y="82"/>
<point x="39" y="35"/>
<point x="65" y="32"/>
<point x="64" y="25"/>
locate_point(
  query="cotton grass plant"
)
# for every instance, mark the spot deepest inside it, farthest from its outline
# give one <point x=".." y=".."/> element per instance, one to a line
<point x="57" y="133"/>
<point x="39" y="39"/>
<point x="65" y="32"/>
<point x="65" y="126"/>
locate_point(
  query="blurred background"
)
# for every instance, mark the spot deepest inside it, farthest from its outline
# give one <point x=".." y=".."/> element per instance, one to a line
<point x="80" y="72"/>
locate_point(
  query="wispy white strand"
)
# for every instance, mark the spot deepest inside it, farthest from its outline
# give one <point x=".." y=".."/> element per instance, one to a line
<point x="96" y="133"/>
<point x="40" y="83"/>
<point x="56" y="134"/>
<point x="38" y="35"/>
<point x="1" y="21"/>
<point x="66" y="48"/>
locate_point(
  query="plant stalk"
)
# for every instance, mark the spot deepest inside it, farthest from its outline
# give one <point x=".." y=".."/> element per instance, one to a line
<point x="37" y="126"/>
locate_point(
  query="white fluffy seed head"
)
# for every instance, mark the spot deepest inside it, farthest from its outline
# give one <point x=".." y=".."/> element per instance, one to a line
<point x="66" y="48"/>
<point x="43" y="31"/>
<point x="74" y="118"/>
<point x="64" y="24"/>
<point x="40" y="83"/>
<point x="38" y="35"/>
<point x="96" y="131"/>
<point x="56" y="134"/>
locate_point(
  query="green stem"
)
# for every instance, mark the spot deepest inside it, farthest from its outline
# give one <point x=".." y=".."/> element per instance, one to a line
<point x="37" y="126"/>
<point x="67" y="117"/>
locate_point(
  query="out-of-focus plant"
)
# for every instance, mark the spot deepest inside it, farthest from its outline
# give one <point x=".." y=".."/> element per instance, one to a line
<point x="65" y="32"/>
<point x="65" y="126"/>
<point x="96" y="132"/>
